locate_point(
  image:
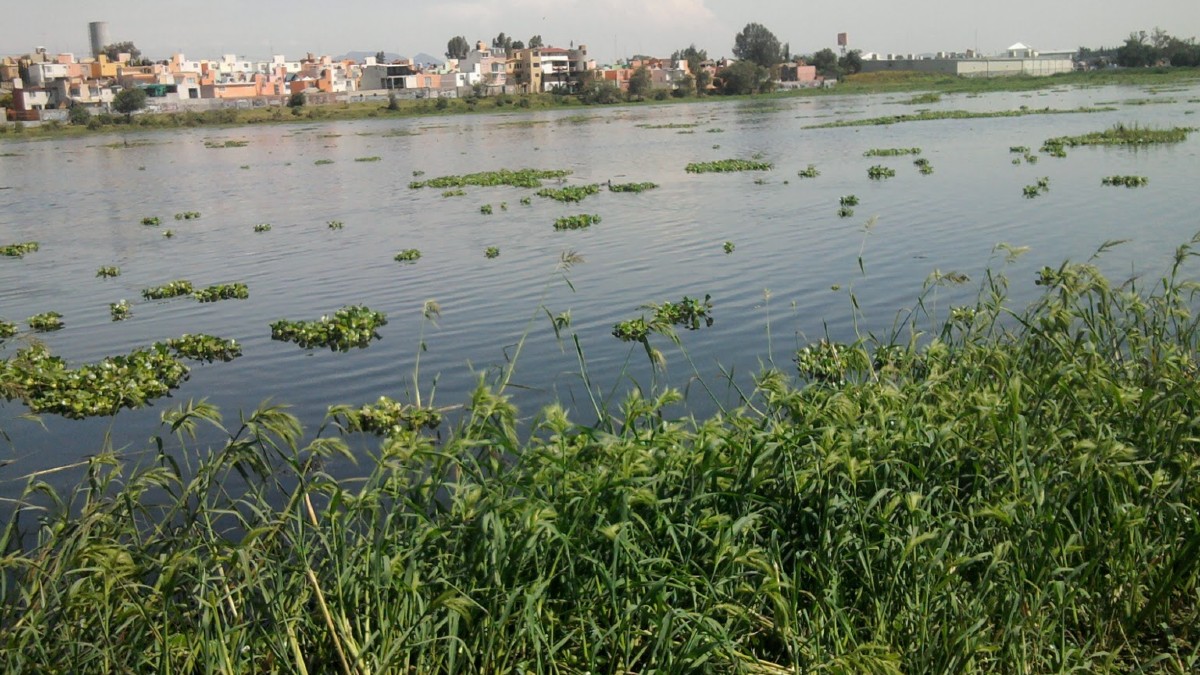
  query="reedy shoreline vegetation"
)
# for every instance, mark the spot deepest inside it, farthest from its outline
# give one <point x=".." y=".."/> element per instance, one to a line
<point x="1014" y="491"/>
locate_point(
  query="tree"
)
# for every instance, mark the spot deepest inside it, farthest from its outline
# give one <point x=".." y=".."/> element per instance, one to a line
<point x="746" y="77"/>
<point x="112" y="50"/>
<point x="685" y="87"/>
<point x="129" y="101"/>
<point x="640" y="83"/>
<point x="693" y="57"/>
<point x="297" y="100"/>
<point x="536" y="41"/>
<point x="851" y="63"/>
<point x="380" y="57"/>
<point x="1136" y="52"/>
<point x="457" y="47"/>
<point x="757" y="45"/>
<point x="502" y="41"/>
<point x="516" y="44"/>
<point x="826" y="62"/>
<point x="703" y="81"/>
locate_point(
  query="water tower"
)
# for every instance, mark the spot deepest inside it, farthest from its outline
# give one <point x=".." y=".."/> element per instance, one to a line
<point x="98" y="30"/>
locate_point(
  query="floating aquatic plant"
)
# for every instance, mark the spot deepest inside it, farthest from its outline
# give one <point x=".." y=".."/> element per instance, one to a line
<point x="526" y="178"/>
<point x="671" y="125"/>
<point x="1121" y="134"/>
<point x="923" y="166"/>
<point x="457" y="192"/>
<point x="951" y="115"/>
<point x="7" y="329"/>
<point x="1019" y="149"/>
<point x="845" y="212"/>
<point x="119" y="311"/>
<point x="234" y="291"/>
<point x="727" y="166"/>
<point x="186" y="215"/>
<point x="322" y="162"/>
<point x="373" y="158"/>
<point x="205" y="347"/>
<point x="848" y="200"/>
<point x="212" y="145"/>
<point x="155" y="221"/>
<point x="491" y="252"/>
<point x="352" y="326"/>
<point x="632" y="330"/>
<point x="577" y="222"/>
<point x="408" y="255"/>
<point x="728" y="246"/>
<point x="45" y="322"/>
<point x="334" y="224"/>
<point x="385" y="417"/>
<point x="631" y="187"/>
<point x="173" y="289"/>
<point x="880" y="172"/>
<point x="18" y="250"/>
<point x="108" y="271"/>
<point x="486" y="209"/>
<point x="1041" y="187"/>
<point x="809" y="172"/>
<point x="891" y="152"/>
<point x="1127" y="181"/>
<point x="262" y="227"/>
<point x="690" y="313"/>
<point x="103" y="388"/>
<point x="526" y="201"/>
<point x="570" y="193"/>
<point x="168" y="233"/>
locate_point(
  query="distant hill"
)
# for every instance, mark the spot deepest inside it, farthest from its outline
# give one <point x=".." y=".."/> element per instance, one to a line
<point x="421" y="57"/>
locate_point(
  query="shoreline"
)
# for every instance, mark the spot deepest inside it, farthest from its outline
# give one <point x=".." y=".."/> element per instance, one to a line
<point x="856" y="85"/>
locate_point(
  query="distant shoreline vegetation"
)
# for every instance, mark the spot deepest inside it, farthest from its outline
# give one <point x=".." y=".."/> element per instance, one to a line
<point x="861" y="83"/>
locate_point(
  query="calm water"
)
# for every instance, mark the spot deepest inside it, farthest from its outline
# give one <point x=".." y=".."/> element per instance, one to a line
<point x="83" y="200"/>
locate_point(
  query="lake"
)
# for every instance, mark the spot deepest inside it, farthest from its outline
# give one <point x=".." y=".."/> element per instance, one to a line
<point x="792" y="279"/>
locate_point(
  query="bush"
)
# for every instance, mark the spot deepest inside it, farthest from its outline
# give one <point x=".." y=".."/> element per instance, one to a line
<point x="442" y="103"/>
<point x="297" y="100"/>
<point x="79" y="115"/>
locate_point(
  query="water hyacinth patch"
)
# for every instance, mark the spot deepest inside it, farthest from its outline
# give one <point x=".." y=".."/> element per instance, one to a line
<point x="373" y="158"/>
<point x="168" y="233"/>
<point x="262" y="227"/>
<point x="491" y="252"/>
<point x="690" y="313"/>
<point x="727" y="166"/>
<point x="632" y="330"/>
<point x="186" y="215"/>
<point x="7" y="329"/>
<point x="1120" y="134"/>
<point x="352" y="326"/>
<point x="108" y="271"/>
<point x="828" y="362"/>
<point x="578" y="222"/>
<point x="526" y="201"/>
<point x="845" y="212"/>
<point x="631" y="187"/>
<point x="457" y="192"/>
<point x="202" y="347"/>
<point x="155" y="221"/>
<point x="571" y="193"/>
<point x="526" y="178"/>
<point x="923" y="166"/>
<point x="1042" y="187"/>
<point x="103" y="388"/>
<point x="45" y="322"/>
<point x="1019" y="149"/>
<point x="809" y="172"/>
<point x="173" y="289"/>
<point x="848" y="200"/>
<point x="334" y="224"/>
<point x="323" y="162"/>
<point x="119" y="311"/>
<point x="234" y="291"/>
<point x="728" y="247"/>
<point x="671" y="125"/>
<point x="1127" y="181"/>
<point x="408" y="255"/>
<point x="213" y="145"/>
<point x="880" y="172"/>
<point x="18" y="250"/>
<point x="891" y="152"/>
<point x="953" y="115"/>
<point x="486" y="209"/>
<point x="385" y="417"/>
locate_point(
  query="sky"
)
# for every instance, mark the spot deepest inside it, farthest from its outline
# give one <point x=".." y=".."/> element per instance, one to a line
<point x="610" y="28"/>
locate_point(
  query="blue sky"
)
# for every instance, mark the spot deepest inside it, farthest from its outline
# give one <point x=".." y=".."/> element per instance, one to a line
<point x="610" y="28"/>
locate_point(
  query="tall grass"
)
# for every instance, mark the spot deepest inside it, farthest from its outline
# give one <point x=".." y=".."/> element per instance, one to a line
<point x="1013" y="491"/>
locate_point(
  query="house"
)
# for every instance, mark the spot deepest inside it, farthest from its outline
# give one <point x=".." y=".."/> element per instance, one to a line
<point x="538" y="69"/>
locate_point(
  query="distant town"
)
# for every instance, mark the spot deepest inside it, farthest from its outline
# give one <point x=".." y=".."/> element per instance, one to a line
<point x="47" y="86"/>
